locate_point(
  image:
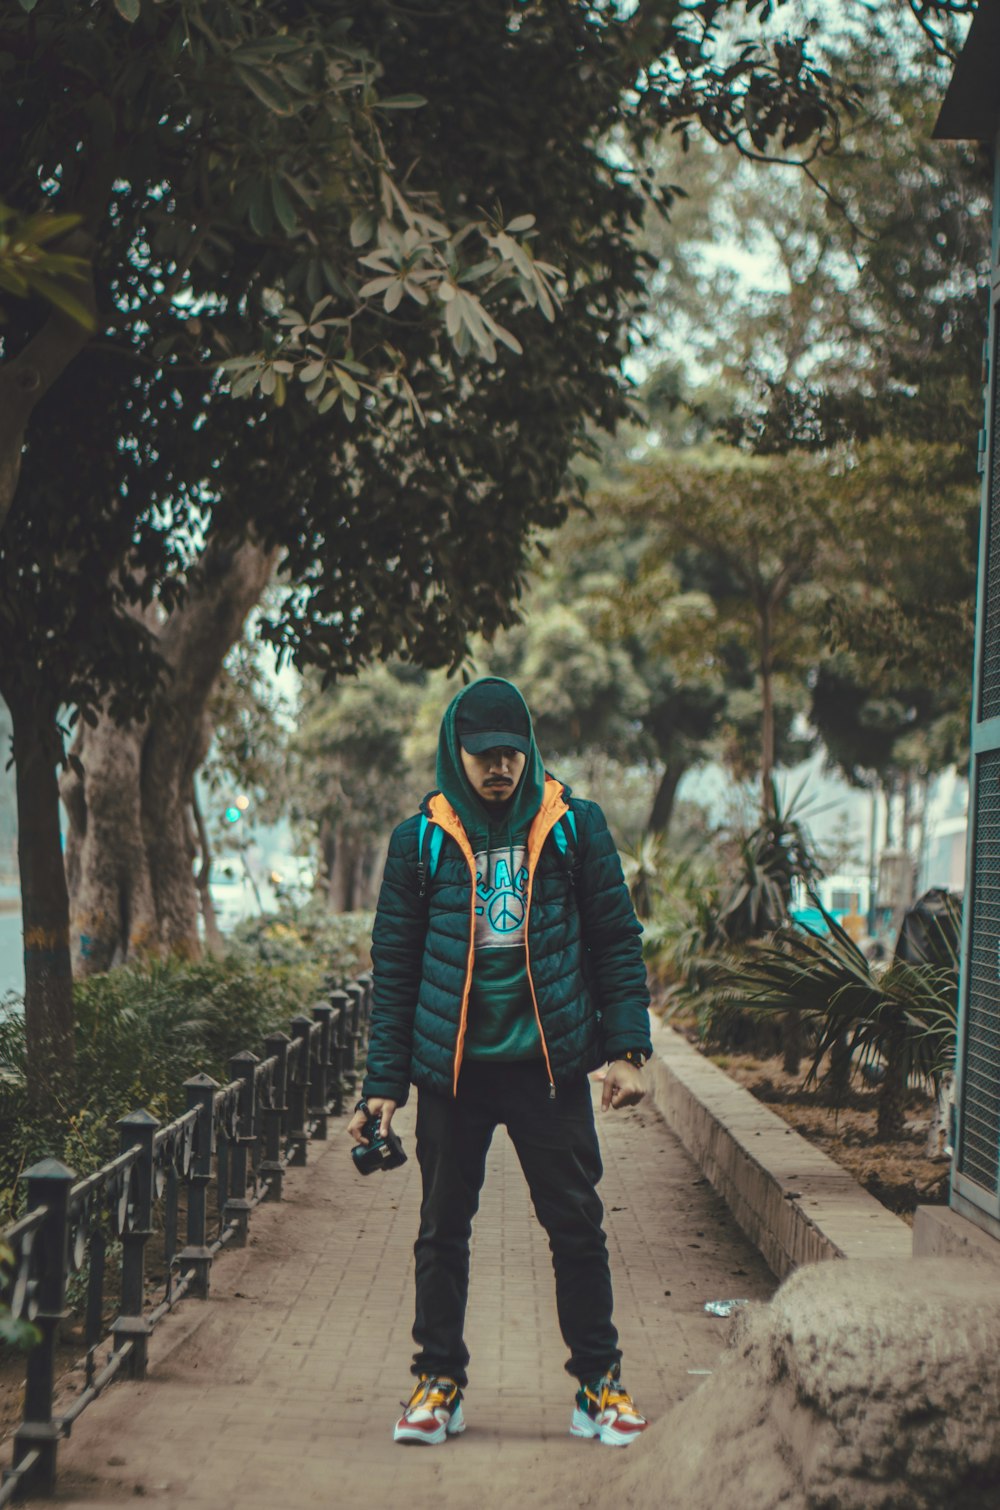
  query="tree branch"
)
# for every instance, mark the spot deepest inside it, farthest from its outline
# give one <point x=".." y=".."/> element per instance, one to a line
<point x="28" y="376"/>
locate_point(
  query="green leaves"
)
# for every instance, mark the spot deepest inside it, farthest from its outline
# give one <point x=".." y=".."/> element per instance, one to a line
<point x="14" y="1332"/>
<point x="363" y="227"/>
<point x="268" y="90"/>
<point x="422" y="260"/>
<point x="27" y="267"/>
<point x="312" y="350"/>
<point x="283" y="207"/>
<point x="401" y="102"/>
<point x="470" y="325"/>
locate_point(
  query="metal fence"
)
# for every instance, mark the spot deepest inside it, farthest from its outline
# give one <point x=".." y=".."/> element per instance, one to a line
<point x="224" y="1155"/>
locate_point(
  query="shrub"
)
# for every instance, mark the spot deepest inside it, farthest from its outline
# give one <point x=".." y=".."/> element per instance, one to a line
<point x="902" y="1018"/>
<point x="308" y="935"/>
<point x="13" y="1331"/>
<point x="142" y="1030"/>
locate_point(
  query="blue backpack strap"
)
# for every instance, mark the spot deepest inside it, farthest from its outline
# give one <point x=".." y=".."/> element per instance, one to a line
<point x="565" y="836"/>
<point x="564" y="833"/>
<point x="429" y="840"/>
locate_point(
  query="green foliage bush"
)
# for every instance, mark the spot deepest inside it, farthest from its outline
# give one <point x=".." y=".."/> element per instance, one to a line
<point x="308" y="936"/>
<point x="841" y="993"/>
<point x="142" y="1030"/>
<point x="13" y="1331"/>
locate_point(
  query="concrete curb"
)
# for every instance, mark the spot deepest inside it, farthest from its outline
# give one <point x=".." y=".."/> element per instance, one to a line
<point x="795" y="1204"/>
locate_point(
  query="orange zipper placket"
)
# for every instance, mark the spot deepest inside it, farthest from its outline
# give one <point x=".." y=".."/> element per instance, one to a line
<point x="548" y="816"/>
<point x="445" y="816"/>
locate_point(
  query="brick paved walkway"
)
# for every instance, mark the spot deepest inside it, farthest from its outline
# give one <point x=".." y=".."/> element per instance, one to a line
<point x="282" y="1389"/>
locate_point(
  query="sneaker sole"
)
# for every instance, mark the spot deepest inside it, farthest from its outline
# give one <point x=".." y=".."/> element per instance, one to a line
<point x="452" y="1428"/>
<point x="582" y="1426"/>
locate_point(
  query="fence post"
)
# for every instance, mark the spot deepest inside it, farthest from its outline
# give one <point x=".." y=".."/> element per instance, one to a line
<point x="356" y="994"/>
<point x="340" y="1002"/>
<point x="298" y="1100"/>
<point x="130" y="1325"/>
<point x="273" y="1165"/>
<point x="367" y="981"/>
<point x="237" y="1209"/>
<point x="322" y="1013"/>
<point x="197" y="1255"/>
<point x="49" y="1184"/>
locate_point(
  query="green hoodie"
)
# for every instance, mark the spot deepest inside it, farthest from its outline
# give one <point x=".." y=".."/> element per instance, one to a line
<point x="501" y="1023"/>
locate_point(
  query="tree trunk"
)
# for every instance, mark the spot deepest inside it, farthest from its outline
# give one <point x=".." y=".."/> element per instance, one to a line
<point x="375" y="862"/>
<point x="666" y="794"/>
<point x="214" y="942"/>
<point x="907" y="812"/>
<point x="889" y="794"/>
<point x="132" y="832"/>
<point x="791" y="1041"/>
<point x="892" y="1093"/>
<point x="873" y="862"/>
<point x="838" y="1081"/>
<point x="342" y="872"/>
<point x="358" y="881"/>
<point x="113" y="907"/>
<point x="48" y="981"/>
<point x="920" y="838"/>
<point x="767" y="711"/>
<point x="327" y="850"/>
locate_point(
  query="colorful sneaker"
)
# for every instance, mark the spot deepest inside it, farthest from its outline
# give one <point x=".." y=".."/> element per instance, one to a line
<point x="432" y="1413"/>
<point x="605" y="1409"/>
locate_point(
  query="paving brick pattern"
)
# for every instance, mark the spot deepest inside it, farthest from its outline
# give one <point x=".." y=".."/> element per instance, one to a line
<point x="282" y="1389"/>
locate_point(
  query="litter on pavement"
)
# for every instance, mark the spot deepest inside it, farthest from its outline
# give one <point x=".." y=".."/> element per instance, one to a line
<point x="724" y="1307"/>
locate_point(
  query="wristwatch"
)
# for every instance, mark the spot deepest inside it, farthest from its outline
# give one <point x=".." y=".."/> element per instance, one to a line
<point x="637" y="1057"/>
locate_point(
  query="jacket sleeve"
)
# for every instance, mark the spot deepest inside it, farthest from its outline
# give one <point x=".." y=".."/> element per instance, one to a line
<point x="397" y="958"/>
<point x="612" y="936"/>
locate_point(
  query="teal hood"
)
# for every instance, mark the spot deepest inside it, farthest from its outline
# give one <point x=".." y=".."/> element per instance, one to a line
<point x="477" y="820"/>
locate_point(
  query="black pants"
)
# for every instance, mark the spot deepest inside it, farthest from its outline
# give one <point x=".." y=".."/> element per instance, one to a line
<point x="556" y="1144"/>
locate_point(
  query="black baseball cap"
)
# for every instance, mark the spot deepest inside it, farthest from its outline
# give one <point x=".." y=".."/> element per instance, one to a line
<point x="492" y="713"/>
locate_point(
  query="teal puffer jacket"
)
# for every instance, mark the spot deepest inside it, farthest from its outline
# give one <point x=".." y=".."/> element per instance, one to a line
<point x="585" y="961"/>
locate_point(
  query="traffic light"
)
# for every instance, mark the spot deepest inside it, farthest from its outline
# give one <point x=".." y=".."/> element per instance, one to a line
<point x="234" y="812"/>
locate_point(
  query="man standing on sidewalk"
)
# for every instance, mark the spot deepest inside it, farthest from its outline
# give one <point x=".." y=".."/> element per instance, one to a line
<point x="507" y="965"/>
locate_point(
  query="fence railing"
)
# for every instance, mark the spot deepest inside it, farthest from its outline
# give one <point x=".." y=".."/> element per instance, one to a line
<point x="234" y="1141"/>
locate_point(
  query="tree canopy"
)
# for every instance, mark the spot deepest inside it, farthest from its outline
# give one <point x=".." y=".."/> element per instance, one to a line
<point x="342" y="287"/>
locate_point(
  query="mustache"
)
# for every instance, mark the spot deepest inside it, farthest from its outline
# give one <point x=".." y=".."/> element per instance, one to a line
<point x="498" y="781"/>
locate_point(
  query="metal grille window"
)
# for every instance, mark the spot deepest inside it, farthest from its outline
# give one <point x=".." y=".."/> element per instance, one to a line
<point x="979" y="1153"/>
<point x="989" y="698"/>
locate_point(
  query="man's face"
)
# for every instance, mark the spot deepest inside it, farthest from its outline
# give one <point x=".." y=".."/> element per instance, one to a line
<point x="494" y="774"/>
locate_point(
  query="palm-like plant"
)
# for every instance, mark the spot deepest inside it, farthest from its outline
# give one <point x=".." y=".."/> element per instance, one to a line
<point x="777" y="853"/>
<point x="693" y="950"/>
<point x="905" y="1017"/>
<point x="642" y="866"/>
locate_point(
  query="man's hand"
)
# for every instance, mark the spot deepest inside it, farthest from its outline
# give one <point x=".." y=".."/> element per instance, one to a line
<point x="622" y="1085"/>
<point x="379" y="1106"/>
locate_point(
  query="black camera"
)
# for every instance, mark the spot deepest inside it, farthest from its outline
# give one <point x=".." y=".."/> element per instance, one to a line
<point x="381" y="1153"/>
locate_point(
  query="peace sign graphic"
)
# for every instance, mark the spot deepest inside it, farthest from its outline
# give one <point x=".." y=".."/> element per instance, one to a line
<point x="506" y="912"/>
